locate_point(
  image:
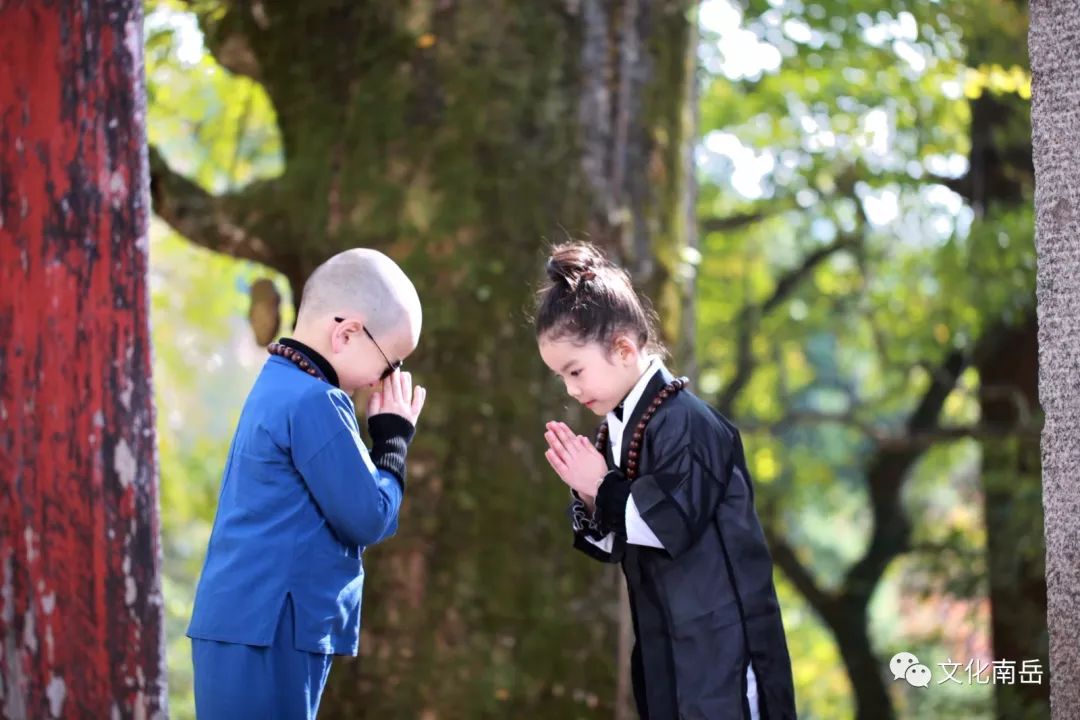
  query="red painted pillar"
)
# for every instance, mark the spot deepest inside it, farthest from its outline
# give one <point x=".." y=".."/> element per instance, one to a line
<point x="81" y="633"/>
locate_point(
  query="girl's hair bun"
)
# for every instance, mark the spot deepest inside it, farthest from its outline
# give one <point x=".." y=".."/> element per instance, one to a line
<point x="573" y="264"/>
<point x="591" y="299"/>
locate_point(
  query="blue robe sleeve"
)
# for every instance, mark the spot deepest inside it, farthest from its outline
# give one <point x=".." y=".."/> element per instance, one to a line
<point x="359" y="501"/>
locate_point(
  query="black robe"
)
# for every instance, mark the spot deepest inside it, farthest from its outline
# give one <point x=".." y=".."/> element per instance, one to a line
<point x="704" y="606"/>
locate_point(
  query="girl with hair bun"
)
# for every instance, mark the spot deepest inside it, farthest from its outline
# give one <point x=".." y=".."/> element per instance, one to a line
<point x="663" y="490"/>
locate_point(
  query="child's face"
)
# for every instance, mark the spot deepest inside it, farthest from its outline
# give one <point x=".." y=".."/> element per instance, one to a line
<point x="363" y="361"/>
<point x="594" y="376"/>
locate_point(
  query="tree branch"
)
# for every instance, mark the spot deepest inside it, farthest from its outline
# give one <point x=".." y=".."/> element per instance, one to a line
<point x="227" y="36"/>
<point x="887" y="439"/>
<point x="923" y="440"/>
<point x="886" y="472"/>
<point x="889" y="467"/>
<point x="799" y="575"/>
<point x="959" y="185"/>
<point x="785" y="286"/>
<point x="222" y="223"/>
<point x="731" y="222"/>
<point x="741" y="220"/>
<point x="788" y="282"/>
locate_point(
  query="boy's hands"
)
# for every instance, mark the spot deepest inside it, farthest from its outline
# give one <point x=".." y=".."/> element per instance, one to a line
<point x="398" y="397"/>
<point x="578" y="463"/>
<point x="392" y="415"/>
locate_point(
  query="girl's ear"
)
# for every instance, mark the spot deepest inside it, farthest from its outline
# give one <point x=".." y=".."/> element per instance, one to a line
<point x="624" y="349"/>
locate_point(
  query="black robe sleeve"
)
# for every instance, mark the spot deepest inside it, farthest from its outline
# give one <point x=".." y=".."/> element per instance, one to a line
<point x="686" y="480"/>
<point x="586" y="526"/>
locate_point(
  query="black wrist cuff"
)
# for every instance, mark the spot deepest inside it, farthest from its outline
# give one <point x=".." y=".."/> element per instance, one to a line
<point x="611" y="501"/>
<point x="390" y="438"/>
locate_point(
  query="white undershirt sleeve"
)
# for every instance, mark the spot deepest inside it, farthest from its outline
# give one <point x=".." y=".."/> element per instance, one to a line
<point x="605" y="543"/>
<point x="637" y="530"/>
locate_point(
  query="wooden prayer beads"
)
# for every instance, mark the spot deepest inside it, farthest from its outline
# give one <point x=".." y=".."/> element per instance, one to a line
<point x="634" y="451"/>
<point x="294" y="357"/>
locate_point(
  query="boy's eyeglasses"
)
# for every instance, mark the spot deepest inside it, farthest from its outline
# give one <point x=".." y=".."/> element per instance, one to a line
<point x="390" y="366"/>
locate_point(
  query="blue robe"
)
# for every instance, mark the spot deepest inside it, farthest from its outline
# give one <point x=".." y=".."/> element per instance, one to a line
<point x="300" y="500"/>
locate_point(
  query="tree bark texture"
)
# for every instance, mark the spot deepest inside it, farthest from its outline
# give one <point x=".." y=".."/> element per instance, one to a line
<point x="81" y="632"/>
<point x="1054" y="44"/>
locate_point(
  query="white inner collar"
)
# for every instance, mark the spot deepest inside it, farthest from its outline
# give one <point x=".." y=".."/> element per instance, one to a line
<point x="655" y="363"/>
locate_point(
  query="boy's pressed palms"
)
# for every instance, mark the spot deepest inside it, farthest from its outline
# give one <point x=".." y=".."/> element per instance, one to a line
<point x="398" y="397"/>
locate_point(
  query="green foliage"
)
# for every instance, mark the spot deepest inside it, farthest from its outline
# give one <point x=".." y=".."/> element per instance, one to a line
<point x="214" y="127"/>
<point x="824" y="690"/>
<point x="839" y="122"/>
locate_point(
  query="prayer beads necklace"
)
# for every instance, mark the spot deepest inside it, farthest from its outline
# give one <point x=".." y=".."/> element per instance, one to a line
<point x="296" y="357"/>
<point x="639" y="432"/>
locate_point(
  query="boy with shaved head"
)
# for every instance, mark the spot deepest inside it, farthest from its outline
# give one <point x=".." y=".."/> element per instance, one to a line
<point x="301" y="496"/>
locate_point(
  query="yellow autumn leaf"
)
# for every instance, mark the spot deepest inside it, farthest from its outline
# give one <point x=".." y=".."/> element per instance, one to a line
<point x="941" y="333"/>
<point x="974" y="82"/>
<point x="766" y="467"/>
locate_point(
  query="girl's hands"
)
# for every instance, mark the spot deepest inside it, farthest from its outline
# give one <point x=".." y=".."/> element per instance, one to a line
<point x="573" y="457"/>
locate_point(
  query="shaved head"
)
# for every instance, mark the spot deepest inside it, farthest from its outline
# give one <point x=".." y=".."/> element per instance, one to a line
<point x="367" y="283"/>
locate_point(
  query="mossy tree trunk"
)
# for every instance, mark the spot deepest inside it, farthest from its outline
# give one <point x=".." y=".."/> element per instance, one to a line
<point x="460" y="138"/>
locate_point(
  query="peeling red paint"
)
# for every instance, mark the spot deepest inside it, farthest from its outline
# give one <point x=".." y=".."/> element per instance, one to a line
<point x="81" y="631"/>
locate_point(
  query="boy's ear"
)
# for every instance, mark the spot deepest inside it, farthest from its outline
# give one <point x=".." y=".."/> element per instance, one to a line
<point x="343" y="331"/>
